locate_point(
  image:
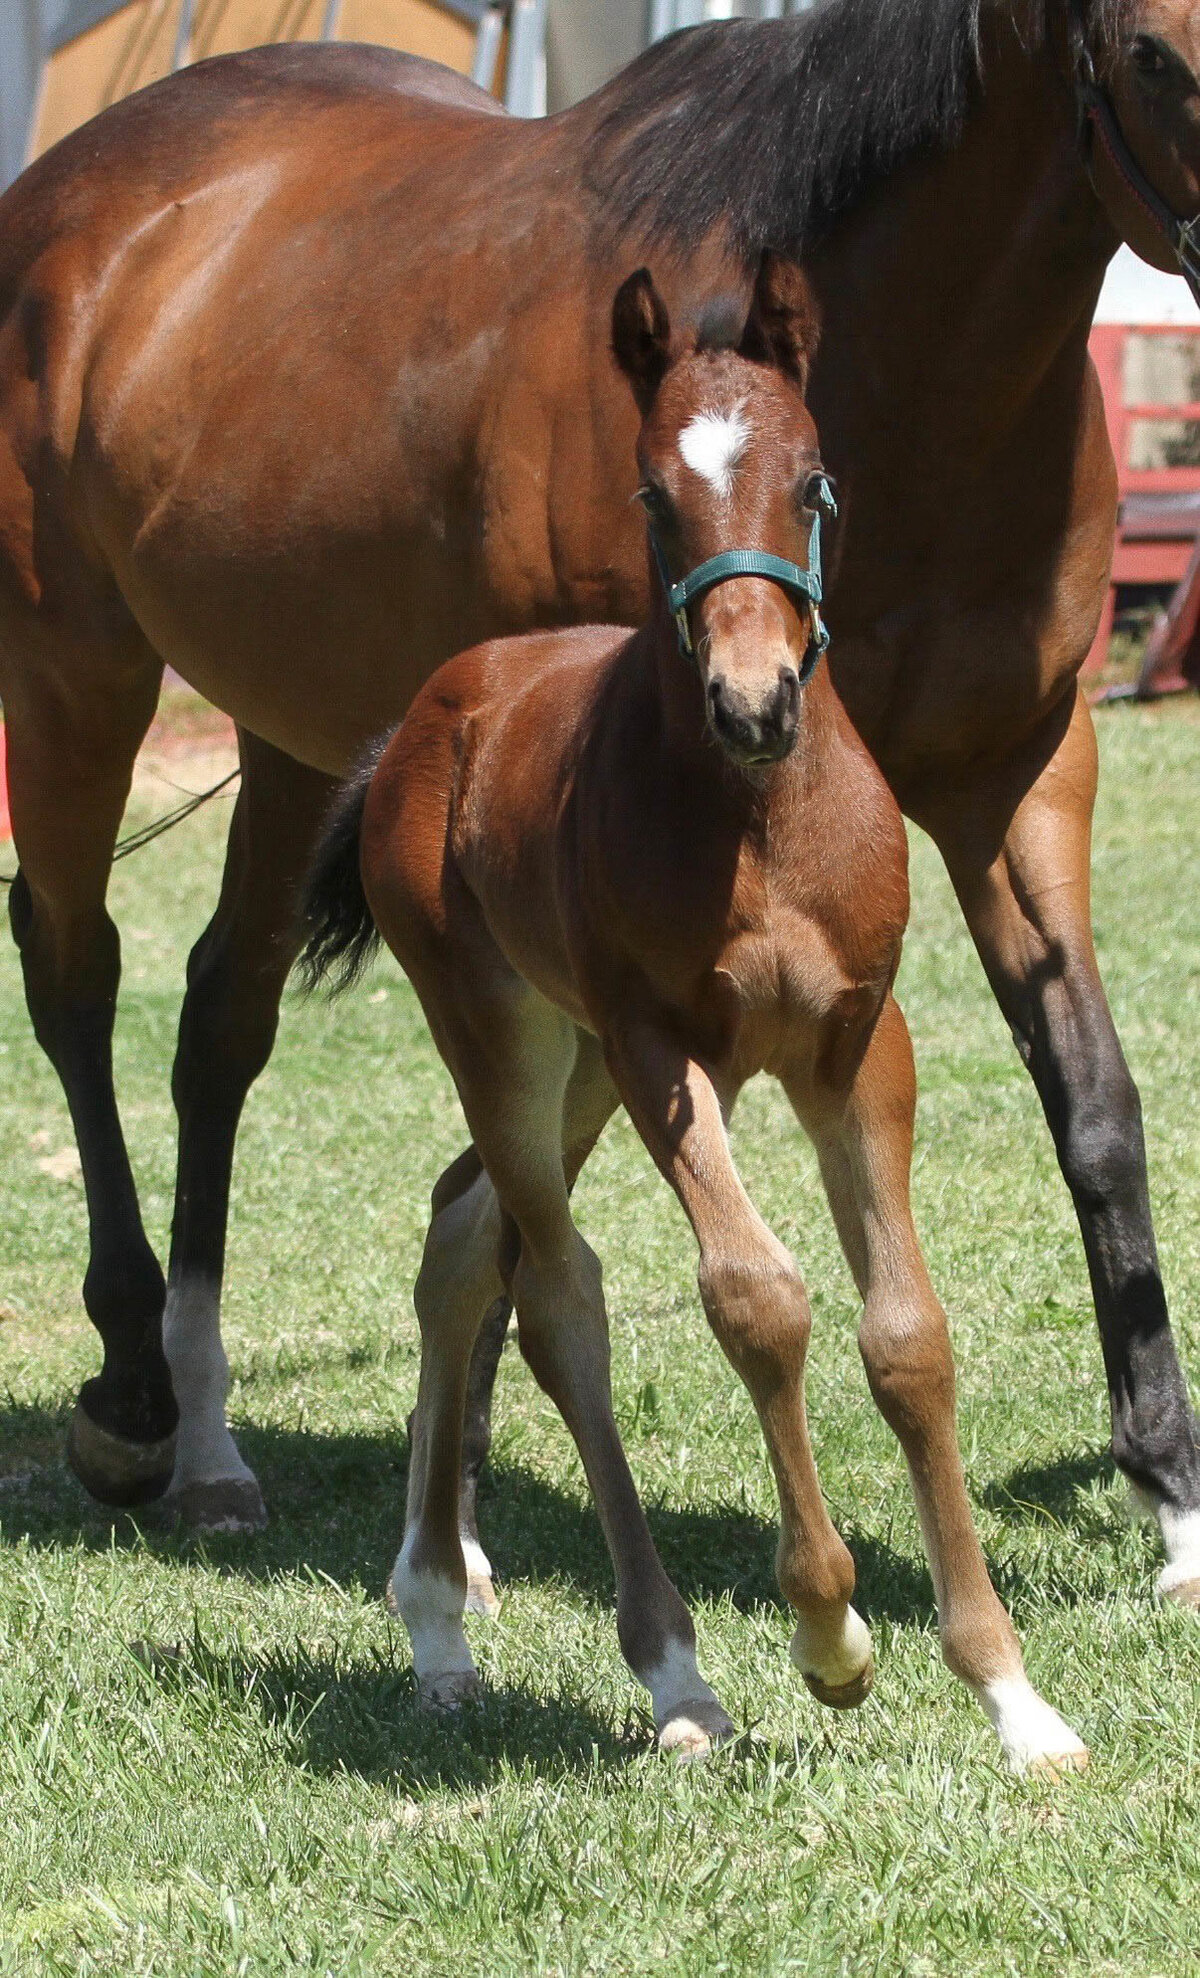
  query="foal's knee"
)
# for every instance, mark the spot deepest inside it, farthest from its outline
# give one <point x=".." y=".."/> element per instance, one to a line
<point x="759" y="1311"/>
<point x="910" y="1367"/>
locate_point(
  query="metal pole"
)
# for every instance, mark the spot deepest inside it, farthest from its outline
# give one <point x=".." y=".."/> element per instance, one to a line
<point x="661" y="19"/>
<point x="487" y="48"/>
<point x="524" y="84"/>
<point x="183" y="35"/>
<point x="330" y="24"/>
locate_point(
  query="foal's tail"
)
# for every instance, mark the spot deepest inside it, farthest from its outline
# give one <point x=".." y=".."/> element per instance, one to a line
<point x="340" y="935"/>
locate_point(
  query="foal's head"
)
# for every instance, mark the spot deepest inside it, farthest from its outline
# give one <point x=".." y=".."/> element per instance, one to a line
<point x="729" y="460"/>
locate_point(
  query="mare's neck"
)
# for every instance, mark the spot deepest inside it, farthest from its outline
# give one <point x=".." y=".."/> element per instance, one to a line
<point x="961" y="284"/>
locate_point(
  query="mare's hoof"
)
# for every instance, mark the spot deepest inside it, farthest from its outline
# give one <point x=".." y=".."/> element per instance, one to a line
<point x="482" y="1597"/>
<point x="692" y="1729"/>
<point x="442" y="1695"/>
<point x="114" y="1470"/>
<point x="844" y="1696"/>
<point x="1187" y="1594"/>
<point x="232" y="1505"/>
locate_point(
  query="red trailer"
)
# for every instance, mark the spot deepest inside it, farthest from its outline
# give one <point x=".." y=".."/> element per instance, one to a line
<point x="1146" y="347"/>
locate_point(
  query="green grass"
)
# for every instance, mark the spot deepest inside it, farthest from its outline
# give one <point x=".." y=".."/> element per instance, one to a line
<point x="268" y="1799"/>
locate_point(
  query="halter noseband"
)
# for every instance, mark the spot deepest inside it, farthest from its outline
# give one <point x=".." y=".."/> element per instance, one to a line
<point x="1097" y="118"/>
<point x="801" y="581"/>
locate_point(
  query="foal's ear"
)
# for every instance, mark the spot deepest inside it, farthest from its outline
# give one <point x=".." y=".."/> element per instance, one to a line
<point x="783" y="327"/>
<point x="641" y="334"/>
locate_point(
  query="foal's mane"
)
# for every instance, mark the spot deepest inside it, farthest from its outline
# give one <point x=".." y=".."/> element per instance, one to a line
<point x="774" y="129"/>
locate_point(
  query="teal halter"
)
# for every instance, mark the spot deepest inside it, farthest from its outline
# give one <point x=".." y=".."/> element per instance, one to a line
<point x="800" y="582"/>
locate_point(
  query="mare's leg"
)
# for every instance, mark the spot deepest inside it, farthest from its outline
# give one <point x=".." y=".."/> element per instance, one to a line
<point x="71" y="749"/>
<point x="1017" y="845"/>
<point x="864" y="1140"/>
<point x="236" y="975"/>
<point x="756" y="1304"/>
<point x="515" y="1066"/>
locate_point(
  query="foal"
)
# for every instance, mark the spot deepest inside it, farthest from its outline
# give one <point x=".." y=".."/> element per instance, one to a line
<point x="641" y="869"/>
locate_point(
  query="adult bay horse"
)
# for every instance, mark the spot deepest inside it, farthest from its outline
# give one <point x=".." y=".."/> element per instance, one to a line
<point x="594" y="904"/>
<point x="305" y="385"/>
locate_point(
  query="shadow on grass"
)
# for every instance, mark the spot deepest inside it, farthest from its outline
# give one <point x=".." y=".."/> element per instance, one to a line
<point x="1058" y="1493"/>
<point x="341" y="1716"/>
<point x="337" y="1504"/>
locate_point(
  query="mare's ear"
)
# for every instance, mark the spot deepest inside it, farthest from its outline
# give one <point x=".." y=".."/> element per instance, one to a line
<point x="641" y="335"/>
<point x="783" y="327"/>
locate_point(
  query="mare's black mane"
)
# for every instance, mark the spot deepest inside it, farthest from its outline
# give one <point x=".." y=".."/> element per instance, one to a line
<point x="775" y="128"/>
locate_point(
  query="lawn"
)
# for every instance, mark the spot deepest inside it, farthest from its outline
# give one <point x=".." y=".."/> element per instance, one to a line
<point x="257" y="1793"/>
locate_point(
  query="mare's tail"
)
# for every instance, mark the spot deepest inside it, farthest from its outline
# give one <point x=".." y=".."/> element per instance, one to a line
<point x="339" y="933"/>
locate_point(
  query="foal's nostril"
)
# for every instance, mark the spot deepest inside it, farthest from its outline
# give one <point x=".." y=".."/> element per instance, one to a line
<point x="789" y="697"/>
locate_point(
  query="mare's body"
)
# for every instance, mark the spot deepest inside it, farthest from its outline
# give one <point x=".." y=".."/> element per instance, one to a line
<point x="304" y="385"/>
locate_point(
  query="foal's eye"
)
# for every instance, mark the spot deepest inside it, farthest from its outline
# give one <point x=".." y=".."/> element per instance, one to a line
<point x="818" y="496"/>
<point x="653" y="499"/>
<point x="1149" y="58"/>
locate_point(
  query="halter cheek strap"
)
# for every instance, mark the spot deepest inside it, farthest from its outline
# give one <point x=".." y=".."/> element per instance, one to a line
<point x="1099" y="119"/>
<point x="801" y="582"/>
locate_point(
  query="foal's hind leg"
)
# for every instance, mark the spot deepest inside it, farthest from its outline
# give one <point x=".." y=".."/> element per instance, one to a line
<point x="236" y="975"/>
<point x="589" y="1104"/>
<point x="865" y="1147"/>
<point x="71" y="749"/>
<point x="756" y="1304"/>
<point x="436" y="1570"/>
<point x="516" y="1101"/>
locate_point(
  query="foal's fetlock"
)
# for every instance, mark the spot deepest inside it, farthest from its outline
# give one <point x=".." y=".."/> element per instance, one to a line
<point x="1035" y="1739"/>
<point x="836" y="1662"/>
<point x="688" y="1717"/>
<point x="430" y="1604"/>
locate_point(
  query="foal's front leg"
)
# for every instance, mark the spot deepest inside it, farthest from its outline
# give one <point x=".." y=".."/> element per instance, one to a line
<point x="864" y="1141"/>
<point x="756" y="1304"/>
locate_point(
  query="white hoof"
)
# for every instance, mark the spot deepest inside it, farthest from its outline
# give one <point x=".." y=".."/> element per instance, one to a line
<point x="1034" y="1737"/>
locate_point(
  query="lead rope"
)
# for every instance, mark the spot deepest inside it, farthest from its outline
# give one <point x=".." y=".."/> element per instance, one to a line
<point x="125" y="847"/>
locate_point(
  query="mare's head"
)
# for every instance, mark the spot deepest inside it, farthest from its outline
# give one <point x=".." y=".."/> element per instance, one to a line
<point x="1137" y="66"/>
<point x="729" y="460"/>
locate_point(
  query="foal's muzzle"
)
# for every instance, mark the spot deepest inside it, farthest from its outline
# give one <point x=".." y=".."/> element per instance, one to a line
<point x="757" y="732"/>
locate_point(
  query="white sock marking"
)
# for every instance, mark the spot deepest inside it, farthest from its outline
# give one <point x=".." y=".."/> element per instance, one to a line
<point x="1027" y="1727"/>
<point x="431" y="1608"/>
<point x="839" y="1662"/>
<point x="1180" y="1536"/>
<point x="205" y="1452"/>
<point x="712" y="446"/>
<point x="676" y="1681"/>
<point x="475" y="1559"/>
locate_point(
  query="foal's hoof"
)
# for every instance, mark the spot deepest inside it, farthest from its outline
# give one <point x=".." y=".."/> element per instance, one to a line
<point x="692" y="1729"/>
<point x="1181" y="1591"/>
<point x="844" y="1696"/>
<point x="233" y="1505"/>
<point x="1051" y="1765"/>
<point x="482" y="1597"/>
<point x="114" y="1470"/>
<point x="442" y="1695"/>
